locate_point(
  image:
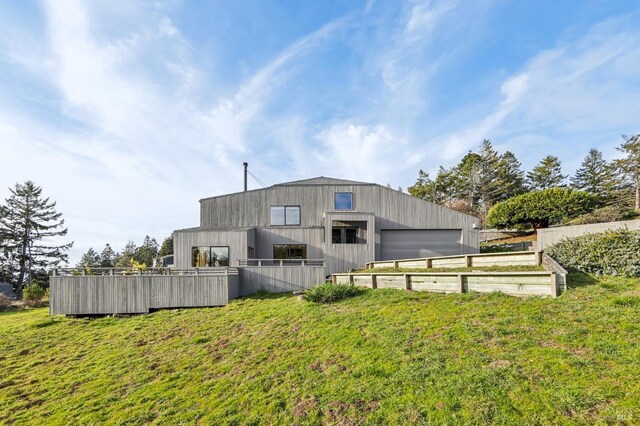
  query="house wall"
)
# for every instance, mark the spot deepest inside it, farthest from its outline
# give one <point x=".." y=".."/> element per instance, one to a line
<point x="236" y="240"/>
<point x="392" y="210"/>
<point x="267" y="237"/>
<point x="343" y="257"/>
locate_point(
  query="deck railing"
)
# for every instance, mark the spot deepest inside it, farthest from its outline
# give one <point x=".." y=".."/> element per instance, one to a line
<point x="281" y="262"/>
<point x="83" y="272"/>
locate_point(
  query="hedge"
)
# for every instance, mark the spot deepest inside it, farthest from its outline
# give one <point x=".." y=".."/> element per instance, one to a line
<point x="611" y="252"/>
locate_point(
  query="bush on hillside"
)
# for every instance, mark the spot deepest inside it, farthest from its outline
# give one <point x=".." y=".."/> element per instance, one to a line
<point x="612" y="253"/>
<point x="5" y="302"/>
<point x="604" y="214"/>
<point x="33" y="294"/>
<point x="540" y="208"/>
<point x="330" y="293"/>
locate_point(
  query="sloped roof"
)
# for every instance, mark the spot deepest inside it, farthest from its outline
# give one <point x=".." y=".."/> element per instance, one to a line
<point x="322" y="180"/>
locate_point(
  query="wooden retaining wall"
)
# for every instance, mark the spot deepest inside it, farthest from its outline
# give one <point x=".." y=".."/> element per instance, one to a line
<point x="535" y="283"/>
<point x="526" y="258"/>
<point x="136" y="294"/>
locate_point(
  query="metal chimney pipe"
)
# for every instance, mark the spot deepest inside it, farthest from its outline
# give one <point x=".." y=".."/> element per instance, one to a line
<point x="245" y="164"/>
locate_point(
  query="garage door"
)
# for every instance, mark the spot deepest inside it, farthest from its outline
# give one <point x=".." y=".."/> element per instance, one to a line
<point x="414" y="243"/>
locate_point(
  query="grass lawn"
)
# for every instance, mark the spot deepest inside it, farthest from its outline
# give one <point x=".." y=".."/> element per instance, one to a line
<point x="385" y="357"/>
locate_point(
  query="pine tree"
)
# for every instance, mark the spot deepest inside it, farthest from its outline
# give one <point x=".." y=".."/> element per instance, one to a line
<point x="167" y="247"/>
<point x="511" y="177"/>
<point x="108" y="257"/>
<point x="91" y="259"/>
<point x="128" y="253"/>
<point x="595" y="176"/>
<point x="547" y="174"/>
<point x="147" y="251"/>
<point x="27" y="220"/>
<point x="630" y="165"/>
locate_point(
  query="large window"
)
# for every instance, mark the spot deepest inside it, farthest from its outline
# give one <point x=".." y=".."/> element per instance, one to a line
<point x="285" y="215"/>
<point x="348" y="232"/>
<point x="344" y="201"/>
<point x="289" y="251"/>
<point x="203" y="257"/>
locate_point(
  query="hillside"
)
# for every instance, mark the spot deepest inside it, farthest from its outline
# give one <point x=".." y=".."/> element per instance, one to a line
<point x="385" y="357"/>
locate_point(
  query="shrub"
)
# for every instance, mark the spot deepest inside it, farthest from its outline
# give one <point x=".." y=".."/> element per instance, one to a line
<point x="329" y="292"/>
<point x="611" y="252"/>
<point x="33" y="294"/>
<point x="5" y="302"/>
<point x="604" y="214"/>
<point x="540" y="208"/>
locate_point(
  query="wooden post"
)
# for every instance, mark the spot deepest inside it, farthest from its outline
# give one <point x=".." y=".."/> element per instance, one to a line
<point x="395" y="264"/>
<point x="461" y="283"/>
<point x="407" y="282"/>
<point x="351" y="279"/>
<point x="429" y="263"/>
<point x="468" y="260"/>
<point x="334" y="279"/>
<point x="374" y="281"/>
<point x="538" y="258"/>
<point x="554" y="285"/>
<point x="111" y="271"/>
<point x="84" y="272"/>
<point x="54" y="272"/>
<point x="197" y="271"/>
<point x="303" y="262"/>
<point x="139" y="271"/>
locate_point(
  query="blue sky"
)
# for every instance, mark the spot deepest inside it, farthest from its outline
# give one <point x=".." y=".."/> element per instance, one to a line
<point x="127" y="113"/>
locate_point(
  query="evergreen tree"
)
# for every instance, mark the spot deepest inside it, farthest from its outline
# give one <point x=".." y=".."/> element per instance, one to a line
<point x="128" y="253"/>
<point x="167" y="247"/>
<point x="511" y="177"/>
<point x="595" y="176"/>
<point x="147" y="251"/>
<point x="630" y="165"/>
<point x="439" y="191"/>
<point x="108" y="257"/>
<point x="91" y="259"/>
<point x="547" y="174"/>
<point x="26" y="221"/>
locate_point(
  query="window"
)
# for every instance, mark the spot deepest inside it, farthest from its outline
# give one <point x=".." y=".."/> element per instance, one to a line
<point x="289" y="251"/>
<point x="348" y="232"/>
<point x="203" y="257"/>
<point x="344" y="201"/>
<point x="285" y="215"/>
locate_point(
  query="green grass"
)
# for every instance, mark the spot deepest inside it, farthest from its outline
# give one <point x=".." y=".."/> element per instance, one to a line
<point x="384" y="357"/>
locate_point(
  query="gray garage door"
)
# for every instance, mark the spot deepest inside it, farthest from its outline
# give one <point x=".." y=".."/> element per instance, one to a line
<point x="414" y="243"/>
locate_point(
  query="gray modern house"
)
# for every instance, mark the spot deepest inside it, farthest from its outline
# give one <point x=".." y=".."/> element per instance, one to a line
<point x="287" y="237"/>
<point x="344" y="223"/>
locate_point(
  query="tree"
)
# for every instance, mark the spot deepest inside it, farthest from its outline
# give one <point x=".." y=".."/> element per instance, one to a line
<point x="27" y="225"/>
<point x="167" y="247"/>
<point x="91" y="259"/>
<point x="547" y="174"/>
<point x="511" y="177"/>
<point x="540" y="208"/>
<point x="108" y="257"/>
<point x="596" y="177"/>
<point x="147" y="251"/>
<point x="630" y="165"/>
<point x="128" y="253"/>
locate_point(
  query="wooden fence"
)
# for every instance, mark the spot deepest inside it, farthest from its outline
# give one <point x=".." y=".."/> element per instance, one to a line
<point x="133" y="294"/>
<point x="550" y="236"/>
<point x="526" y="258"/>
<point x="538" y="283"/>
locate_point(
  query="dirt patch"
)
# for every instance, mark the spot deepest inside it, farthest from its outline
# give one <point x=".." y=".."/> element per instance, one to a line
<point x="304" y="407"/>
<point x="336" y="362"/>
<point x="339" y="412"/>
<point x="499" y="364"/>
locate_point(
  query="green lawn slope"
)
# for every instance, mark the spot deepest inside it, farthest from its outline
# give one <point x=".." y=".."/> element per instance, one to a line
<point x="385" y="357"/>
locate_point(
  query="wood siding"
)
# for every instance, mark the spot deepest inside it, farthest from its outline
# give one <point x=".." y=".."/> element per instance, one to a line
<point x="237" y="241"/>
<point x="550" y="236"/>
<point x="279" y="279"/>
<point x="136" y="294"/>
